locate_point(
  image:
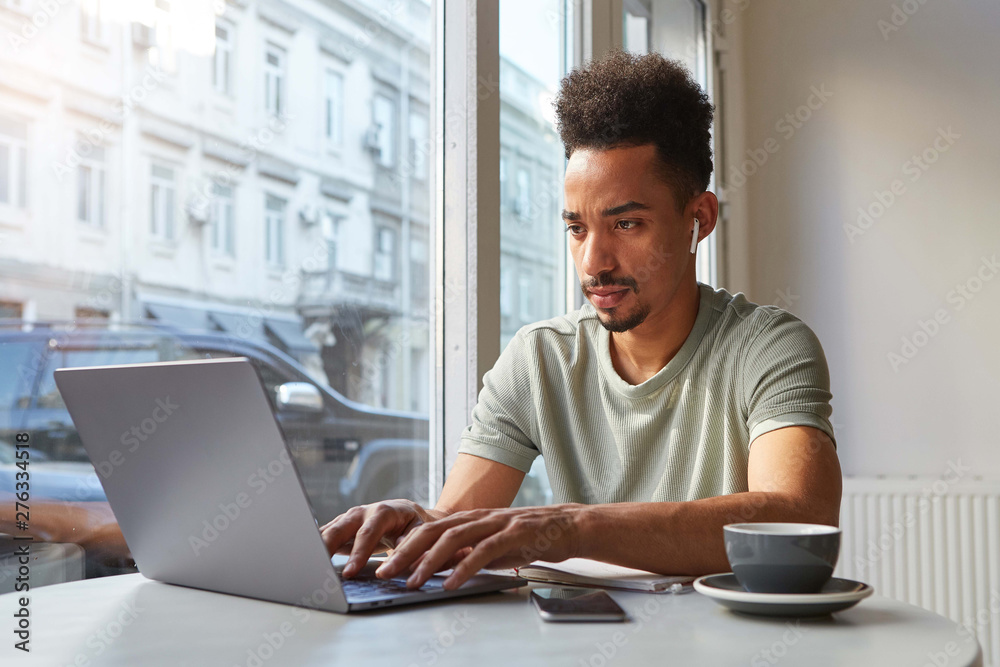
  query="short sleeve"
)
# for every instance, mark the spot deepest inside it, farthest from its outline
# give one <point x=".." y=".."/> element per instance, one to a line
<point x="503" y="416"/>
<point x="786" y="380"/>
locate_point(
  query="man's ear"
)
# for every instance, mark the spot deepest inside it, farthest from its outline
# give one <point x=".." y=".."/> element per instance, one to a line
<point x="705" y="207"/>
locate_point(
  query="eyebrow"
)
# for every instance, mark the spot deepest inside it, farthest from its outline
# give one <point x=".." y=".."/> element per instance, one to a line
<point x="614" y="210"/>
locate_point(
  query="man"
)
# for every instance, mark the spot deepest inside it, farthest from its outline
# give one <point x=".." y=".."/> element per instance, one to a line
<point x="664" y="409"/>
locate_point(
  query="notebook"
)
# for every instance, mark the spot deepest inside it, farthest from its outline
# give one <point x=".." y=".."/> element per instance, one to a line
<point x="587" y="572"/>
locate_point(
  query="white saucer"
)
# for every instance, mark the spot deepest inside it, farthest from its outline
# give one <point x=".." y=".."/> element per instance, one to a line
<point x="836" y="595"/>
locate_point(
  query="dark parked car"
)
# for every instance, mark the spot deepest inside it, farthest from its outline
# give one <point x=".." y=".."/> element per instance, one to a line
<point x="346" y="453"/>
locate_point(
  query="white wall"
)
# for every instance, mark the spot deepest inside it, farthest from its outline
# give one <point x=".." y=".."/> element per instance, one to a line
<point x="891" y="93"/>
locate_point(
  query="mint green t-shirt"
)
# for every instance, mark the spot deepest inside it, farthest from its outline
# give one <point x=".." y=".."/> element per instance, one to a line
<point x="683" y="434"/>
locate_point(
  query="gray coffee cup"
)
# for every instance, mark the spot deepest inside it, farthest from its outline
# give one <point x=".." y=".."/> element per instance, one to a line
<point x="782" y="557"/>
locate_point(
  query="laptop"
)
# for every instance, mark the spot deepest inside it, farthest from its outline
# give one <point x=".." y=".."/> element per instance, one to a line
<point x="197" y="472"/>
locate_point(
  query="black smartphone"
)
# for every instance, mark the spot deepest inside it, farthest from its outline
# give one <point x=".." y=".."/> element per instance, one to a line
<point x="576" y="604"/>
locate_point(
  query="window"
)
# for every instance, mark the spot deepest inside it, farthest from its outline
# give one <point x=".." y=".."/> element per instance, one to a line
<point x="91" y="25"/>
<point x="506" y="298"/>
<point x="385" y="126"/>
<point x="274" y="80"/>
<point x="274" y="230"/>
<point x="523" y="205"/>
<point x="524" y="297"/>
<point x="678" y="29"/>
<point x="418" y="145"/>
<point x="162" y="54"/>
<point x="222" y="220"/>
<point x="385" y="253"/>
<point x="162" y="202"/>
<point x="246" y="253"/>
<point x="90" y="185"/>
<point x="333" y="108"/>
<point x="223" y="58"/>
<point x="331" y="222"/>
<point x="537" y="47"/>
<point x="13" y="164"/>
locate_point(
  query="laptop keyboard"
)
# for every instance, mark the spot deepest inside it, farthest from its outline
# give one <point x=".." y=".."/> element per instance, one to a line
<point x="366" y="586"/>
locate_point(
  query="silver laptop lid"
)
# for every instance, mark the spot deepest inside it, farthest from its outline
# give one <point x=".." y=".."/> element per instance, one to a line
<point x="200" y="480"/>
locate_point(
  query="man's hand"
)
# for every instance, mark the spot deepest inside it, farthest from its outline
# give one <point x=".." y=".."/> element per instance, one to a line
<point x="485" y="538"/>
<point x="361" y="530"/>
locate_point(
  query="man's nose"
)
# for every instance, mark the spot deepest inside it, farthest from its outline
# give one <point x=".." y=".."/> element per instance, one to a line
<point x="598" y="256"/>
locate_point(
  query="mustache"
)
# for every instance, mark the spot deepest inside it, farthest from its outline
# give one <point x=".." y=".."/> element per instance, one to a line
<point x="624" y="281"/>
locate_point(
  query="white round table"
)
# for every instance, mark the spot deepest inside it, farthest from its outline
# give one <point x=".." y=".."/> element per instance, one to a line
<point x="132" y="621"/>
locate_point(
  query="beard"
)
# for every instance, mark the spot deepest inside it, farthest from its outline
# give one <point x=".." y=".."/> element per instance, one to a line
<point x="622" y="322"/>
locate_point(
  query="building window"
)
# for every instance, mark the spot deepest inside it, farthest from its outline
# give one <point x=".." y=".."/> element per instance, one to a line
<point x="162" y="202"/>
<point x="222" y="65"/>
<point x="222" y="220"/>
<point x="418" y="145"/>
<point x="330" y="228"/>
<point x="162" y="54"/>
<point x="13" y="310"/>
<point x="523" y="204"/>
<point x="13" y="164"/>
<point x="333" y="108"/>
<point x="274" y="80"/>
<point x="91" y="26"/>
<point x="90" y="187"/>
<point x="274" y="230"/>
<point x="524" y="297"/>
<point x="385" y="252"/>
<point x="88" y="313"/>
<point x="384" y="112"/>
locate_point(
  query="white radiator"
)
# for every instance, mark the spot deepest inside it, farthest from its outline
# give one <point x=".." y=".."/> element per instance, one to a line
<point x="931" y="542"/>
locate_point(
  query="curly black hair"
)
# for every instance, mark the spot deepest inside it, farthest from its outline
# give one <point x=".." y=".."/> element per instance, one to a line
<point x="631" y="100"/>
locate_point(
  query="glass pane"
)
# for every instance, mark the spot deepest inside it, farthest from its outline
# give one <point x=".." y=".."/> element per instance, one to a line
<point x="677" y="29"/>
<point x="361" y="340"/>
<point x="83" y="194"/>
<point x="22" y="177"/>
<point x="6" y="173"/>
<point x="533" y="47"/>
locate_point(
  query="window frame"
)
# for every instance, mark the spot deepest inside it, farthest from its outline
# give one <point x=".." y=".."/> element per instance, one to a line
<point x="274" y="230"/>
<point x="19" y="159"/>
<point x="98" y="182"/>
<point x="391" y="129"/>
<point x="164" y="229"/>
<point x="226" y="89"/>
<point x="223" y="236"/>
<point x="333" y="109"/>
<point x="279" y="74"/>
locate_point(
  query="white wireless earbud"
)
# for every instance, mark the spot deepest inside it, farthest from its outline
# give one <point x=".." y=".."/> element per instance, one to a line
<point x="694" y="237"/>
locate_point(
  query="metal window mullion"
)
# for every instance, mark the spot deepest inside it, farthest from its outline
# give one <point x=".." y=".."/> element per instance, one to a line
<point x="467" y="319"/>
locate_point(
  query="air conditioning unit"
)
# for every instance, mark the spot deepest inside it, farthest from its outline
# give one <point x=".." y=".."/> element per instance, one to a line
<point x="309" y="215"/>
<point x="142" y="36"/>
<point x="198" y="211"/>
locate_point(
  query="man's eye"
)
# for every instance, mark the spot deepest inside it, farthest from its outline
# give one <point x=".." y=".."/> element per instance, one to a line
<point x="573" y="229"/>
<point x="630" y="223"/>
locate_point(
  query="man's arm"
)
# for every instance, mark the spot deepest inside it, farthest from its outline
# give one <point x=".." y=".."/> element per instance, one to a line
<point x="793" y="476"/>
<point x="475" y="482"/>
